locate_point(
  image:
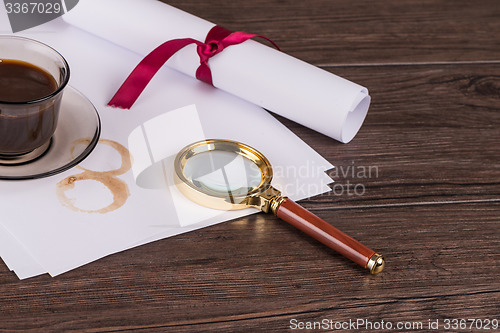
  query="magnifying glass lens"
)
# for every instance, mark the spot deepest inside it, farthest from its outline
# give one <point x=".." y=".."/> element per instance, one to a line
<point x="222" y="173"/>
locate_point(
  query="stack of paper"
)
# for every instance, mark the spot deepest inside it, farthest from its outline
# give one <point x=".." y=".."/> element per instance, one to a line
<point x="40" y="234"/>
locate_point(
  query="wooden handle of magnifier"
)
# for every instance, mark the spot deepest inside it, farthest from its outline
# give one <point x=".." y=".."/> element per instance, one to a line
<point x="332" y="237"/>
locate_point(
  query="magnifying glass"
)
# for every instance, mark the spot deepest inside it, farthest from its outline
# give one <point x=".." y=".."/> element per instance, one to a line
<point x="228" y="175"/>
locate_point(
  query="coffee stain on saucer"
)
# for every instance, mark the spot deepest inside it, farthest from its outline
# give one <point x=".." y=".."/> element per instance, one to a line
<point x="118" y="188"/>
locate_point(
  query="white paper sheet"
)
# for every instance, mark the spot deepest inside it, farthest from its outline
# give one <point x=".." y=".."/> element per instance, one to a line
<point x="56" y="239"/>
<point x="262" y="75"/>
<point x="17" y="257"/>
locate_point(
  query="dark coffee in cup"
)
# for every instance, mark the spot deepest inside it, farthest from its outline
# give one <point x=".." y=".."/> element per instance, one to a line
<point x="32" y="79"/>
<point x="22" y="82"/>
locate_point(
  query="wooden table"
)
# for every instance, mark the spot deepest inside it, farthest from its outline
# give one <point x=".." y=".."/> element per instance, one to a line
<point x="432" y="208"/>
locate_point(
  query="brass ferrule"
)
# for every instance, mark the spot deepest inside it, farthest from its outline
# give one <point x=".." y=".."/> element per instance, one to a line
<point x="275" y="203"/>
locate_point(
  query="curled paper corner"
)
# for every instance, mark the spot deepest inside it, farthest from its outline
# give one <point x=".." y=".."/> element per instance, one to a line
<point x="155" y="143"/>
<point x="356" y="116"/>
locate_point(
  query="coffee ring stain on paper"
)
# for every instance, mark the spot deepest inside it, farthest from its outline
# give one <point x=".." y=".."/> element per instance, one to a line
<point x="118" y="188"/>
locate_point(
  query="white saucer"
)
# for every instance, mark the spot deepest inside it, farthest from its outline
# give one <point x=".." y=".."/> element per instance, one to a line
<point x="76" y="135"/>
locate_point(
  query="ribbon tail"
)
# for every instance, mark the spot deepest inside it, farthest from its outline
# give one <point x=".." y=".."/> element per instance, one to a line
<point x="204" y="74"/>
<point x="239" y="37"/>
<point x="137" y="81"/>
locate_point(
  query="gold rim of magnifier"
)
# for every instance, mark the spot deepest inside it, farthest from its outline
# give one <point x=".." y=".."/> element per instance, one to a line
<point x="212" y="200"/>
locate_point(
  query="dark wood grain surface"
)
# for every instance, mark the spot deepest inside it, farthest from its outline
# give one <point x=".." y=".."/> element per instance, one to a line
<point x="432" y="208"/>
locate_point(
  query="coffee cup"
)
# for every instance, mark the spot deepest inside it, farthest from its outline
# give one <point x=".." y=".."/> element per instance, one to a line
<point x="32" y="81"/>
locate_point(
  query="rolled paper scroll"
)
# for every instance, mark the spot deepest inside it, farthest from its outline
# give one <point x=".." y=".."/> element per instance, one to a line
<point x="252" y="71"/>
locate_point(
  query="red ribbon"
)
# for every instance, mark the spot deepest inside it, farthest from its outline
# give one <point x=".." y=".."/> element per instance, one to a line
<point x="218" y="38"/>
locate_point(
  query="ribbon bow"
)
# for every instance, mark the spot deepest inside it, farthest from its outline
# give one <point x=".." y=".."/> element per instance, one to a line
<point x="218" y="38"/>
